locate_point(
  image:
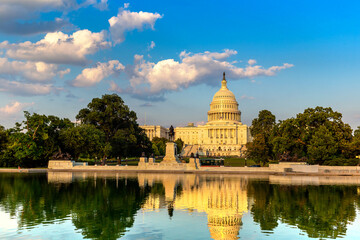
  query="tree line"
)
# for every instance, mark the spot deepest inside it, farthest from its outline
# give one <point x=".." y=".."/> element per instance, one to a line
<point x="107" y="128"/>
<point x="317" y="136"/>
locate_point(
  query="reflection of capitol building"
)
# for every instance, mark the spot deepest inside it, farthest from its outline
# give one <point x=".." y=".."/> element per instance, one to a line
<point x="222" y="135"/>
<point x="223" y="201"/>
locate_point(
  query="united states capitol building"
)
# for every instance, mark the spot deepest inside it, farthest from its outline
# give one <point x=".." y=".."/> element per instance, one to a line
<point x="223" y="135"/>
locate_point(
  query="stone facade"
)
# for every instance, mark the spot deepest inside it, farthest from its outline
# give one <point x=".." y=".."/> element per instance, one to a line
<point x="155" y="131"/>
<point x="224" y="134"/>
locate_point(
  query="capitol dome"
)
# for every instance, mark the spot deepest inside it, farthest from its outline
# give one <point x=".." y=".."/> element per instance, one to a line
<point x="224" y="106"/>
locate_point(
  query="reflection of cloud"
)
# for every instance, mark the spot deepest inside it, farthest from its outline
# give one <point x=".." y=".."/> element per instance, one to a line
<point x="150" y="80"/>
<point x="7" y="222"/>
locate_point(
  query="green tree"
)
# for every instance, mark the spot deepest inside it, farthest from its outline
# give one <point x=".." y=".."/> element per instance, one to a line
<point x="357" y="132"/>
<point x="354" y="145"/>
<point x="33" y="141"/>
<point x="179" y="145"/>
<point x="262" y="131"/>
<point x="310" y="121"/>
<point x="322" y="146"/>
<point x="123" y="136"/>
<point x="83" y="139"/>
<point x="3" y="139"/>
<point x="263" y="124"/>
<point x="155" y="150"/>
<point x="286" y="139"/>
<point x="160" y="144"/>
<point x="317" y="134"/>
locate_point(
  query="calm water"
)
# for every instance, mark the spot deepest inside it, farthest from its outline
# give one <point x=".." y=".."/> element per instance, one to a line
<point x="169" y="206"/>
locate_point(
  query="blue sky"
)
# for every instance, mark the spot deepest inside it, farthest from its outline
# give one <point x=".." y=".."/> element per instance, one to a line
<point x="166" y="58"/>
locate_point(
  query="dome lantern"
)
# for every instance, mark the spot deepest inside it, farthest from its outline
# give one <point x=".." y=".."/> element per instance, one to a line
<point x="224" y="82"/>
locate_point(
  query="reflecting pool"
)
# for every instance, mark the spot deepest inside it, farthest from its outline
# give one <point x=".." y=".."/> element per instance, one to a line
<point x="66" y="205"/>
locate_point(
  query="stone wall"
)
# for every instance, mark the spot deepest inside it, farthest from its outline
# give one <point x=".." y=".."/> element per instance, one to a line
<point x="294" y="167"/>
<point x="339" y="170"/>
<point x="60" y="164"/>
<point x="193" y="166"/>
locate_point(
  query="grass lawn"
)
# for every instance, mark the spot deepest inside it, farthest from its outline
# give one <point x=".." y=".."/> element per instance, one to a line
<point x="238" y="162"/>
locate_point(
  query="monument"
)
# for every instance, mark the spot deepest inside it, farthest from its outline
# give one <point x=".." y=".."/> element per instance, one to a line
<point x="171" y="133"/>
<point x="171" y="153"/>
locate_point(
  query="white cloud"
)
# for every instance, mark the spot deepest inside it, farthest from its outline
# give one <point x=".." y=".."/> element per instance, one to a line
<point x="146" y="105"/>
<point x="101" y="5"/>
<point x="64" y="72"/>
<point x="151" y="80"/>
<point x="252" y="61"/>
<point x="152" y="45"/>
<point x="33" y="71"/>
<point x="23" y="16"/>
<point x="39" y="3"/>
<point x="247" y="97"/>
<point x="14" y="108"/>
<point x="114" y="87"/>
<point x="26" y="89"/>
<point x="58" y="47"/>
<point x="129" y="21"/>
<point x="91" y="76"/>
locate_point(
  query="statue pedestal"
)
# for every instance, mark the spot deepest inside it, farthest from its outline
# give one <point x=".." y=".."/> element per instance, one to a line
<point x="142" y="161"/>
<point x="61" y="164"/>
<point x="170" y="156"/>
<point x="194" y="163"/>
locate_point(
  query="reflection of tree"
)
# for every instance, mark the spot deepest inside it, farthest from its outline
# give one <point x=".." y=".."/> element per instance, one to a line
<point x="104" y="208"/>
<point x="320" y="211"/>
<point x="263" y="210"/>
<point x="101" y="210"/>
